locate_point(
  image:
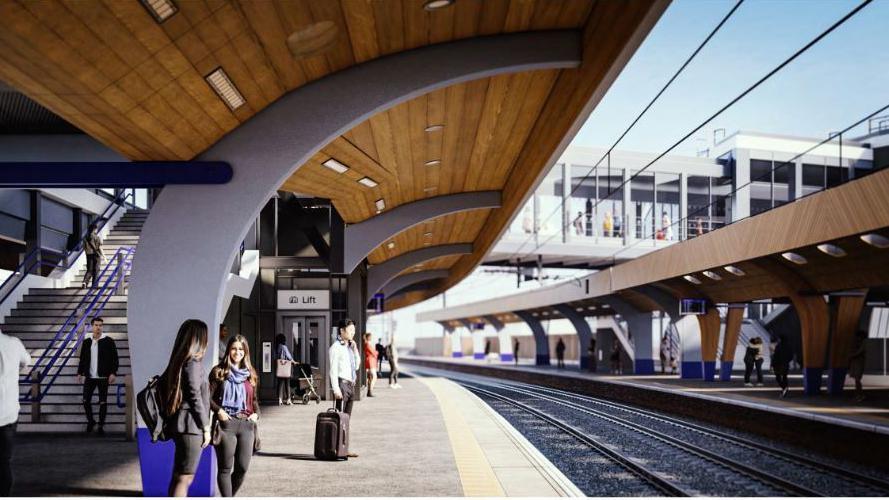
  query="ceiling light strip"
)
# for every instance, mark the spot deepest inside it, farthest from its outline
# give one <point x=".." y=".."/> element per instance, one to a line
<point x="223" y="86"/>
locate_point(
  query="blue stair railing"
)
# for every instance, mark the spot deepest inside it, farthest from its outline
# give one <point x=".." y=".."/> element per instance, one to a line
<point x="31" y="261"/>
<point x="67" y="338"/>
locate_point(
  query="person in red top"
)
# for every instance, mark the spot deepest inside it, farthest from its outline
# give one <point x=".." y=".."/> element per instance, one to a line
<point x="235" y="405"/>
<point x="370" y="362"/>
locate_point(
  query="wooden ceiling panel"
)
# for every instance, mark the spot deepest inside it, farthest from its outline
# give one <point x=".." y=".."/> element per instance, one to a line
<point x="139" y="87"/>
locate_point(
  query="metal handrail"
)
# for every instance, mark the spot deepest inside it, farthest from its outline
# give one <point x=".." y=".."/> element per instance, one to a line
<point x="22" y="273"/>
<point x="122" y="260"/>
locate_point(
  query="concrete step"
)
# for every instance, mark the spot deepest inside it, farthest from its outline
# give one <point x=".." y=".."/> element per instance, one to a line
<point x="14" y="329"/>
<point x="68" y="392"/>
<point x="33" y="300"/>
<point x="37" y="347"/>
<point x="70" y="369"/>
<point x="124" y="232"/>
<point x="71" y="290"/>
<point x="67" y="428"/>
<point x="54" y="320"/>
<point x="62" y="313"/>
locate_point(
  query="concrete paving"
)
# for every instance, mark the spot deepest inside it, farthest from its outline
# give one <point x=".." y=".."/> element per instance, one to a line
<point x="430" y="438"/>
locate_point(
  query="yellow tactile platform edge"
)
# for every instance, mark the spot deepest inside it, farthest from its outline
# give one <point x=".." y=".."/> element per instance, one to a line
<point x="476" y="475"/>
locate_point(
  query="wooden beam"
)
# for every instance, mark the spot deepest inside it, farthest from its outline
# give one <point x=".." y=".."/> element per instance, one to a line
<point x="845" y="315"/>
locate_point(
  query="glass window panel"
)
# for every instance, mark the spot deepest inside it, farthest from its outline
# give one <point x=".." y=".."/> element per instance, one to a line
<point x="782" y="172"/>
<point x="667" y="206"/>
<point x="836" y="176"/>
<point x="760" y="171"/>
<point x="813" y="175"/>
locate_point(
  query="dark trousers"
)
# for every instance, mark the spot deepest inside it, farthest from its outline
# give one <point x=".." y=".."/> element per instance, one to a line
<point x="233" y="454"/>
<point x="393" y="371"/>
<point x="781" y="378"/>
<point x="7" y="441"/>
<point x="89" y="387"/>
<point x="284" y="389"/>
<point x="748" y="370"/>
<point x="560" y="360"/>
<point x="92" y="269"/>
<point x="347" y="389"/>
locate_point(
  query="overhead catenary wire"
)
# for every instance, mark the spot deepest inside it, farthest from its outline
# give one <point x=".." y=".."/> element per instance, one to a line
<point x="721" y="110"/>
<point x="642" y="113"/>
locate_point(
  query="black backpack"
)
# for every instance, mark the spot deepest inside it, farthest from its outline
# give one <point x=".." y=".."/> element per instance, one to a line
<point x="148" y="403"/>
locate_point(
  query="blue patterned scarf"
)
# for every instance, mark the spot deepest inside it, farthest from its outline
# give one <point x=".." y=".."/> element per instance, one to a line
<point x="234" y="394"/>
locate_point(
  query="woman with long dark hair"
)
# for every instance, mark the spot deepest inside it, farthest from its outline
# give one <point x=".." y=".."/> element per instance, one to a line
<point x="186" y="399"/>
<point x="235" y="403"/>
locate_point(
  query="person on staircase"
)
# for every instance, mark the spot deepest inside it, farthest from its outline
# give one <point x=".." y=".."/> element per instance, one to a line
<point x="92" y="246"/>
<point x="98" y="367"/>
<point x="14" y="358"/>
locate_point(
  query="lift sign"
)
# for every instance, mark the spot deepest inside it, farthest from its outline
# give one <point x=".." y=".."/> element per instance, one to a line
<point x="304" y="299"/>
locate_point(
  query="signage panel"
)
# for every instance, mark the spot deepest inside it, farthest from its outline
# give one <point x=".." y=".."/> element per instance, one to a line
<point x="304" y="299"/>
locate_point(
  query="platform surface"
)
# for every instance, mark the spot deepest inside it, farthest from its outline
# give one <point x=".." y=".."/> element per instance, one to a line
<point x="872" y="414"/>
<point x="430" y="438"/>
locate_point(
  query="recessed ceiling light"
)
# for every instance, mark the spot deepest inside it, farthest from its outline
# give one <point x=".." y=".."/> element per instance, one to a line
<point x="434" y="128"/>
<point x="534" y="314"/>
<point x="832" y="250"/>
<point x="579" y="309"/>
<point x="876" y="240"/>
<point x="367" y="181"/>
<point x="734" y="270"/>
<point x="391" y="245"/>
<point x="713" y="276"/>
<point x="433" y="163"/>
<point x="430" y="189"/>
<point x="222" y="84"/>
<point x="437" y="4"/>
<point x="691" y="279"/>
<point x="427" y="235"/>
<point x="795" y="258"/>
<point x="160" y="10"/>
<point x="381" y="205"/>
<point x="591" y="308"/>
<point x="336" y="166"/>
<point x="546" y="313"/>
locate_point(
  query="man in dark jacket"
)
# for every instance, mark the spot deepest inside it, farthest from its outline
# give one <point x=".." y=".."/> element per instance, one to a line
<point x="781" y="363"/>
<point x="97" y="369"/>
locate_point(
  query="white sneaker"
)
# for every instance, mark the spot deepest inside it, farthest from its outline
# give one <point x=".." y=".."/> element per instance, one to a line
<point x="748" y="384"/>
<point x="393" y="386"/>
<point x="759" y="384"/>
<point x="398" y="386"/>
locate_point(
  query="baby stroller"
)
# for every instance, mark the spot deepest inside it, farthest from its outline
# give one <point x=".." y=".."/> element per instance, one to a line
<point x="305" y="387"/>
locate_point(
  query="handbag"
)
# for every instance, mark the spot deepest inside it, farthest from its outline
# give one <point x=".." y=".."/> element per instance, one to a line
<point x="284" y="369"/>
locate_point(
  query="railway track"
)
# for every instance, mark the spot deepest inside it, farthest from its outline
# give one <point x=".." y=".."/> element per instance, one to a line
<point x="693" y="459"/>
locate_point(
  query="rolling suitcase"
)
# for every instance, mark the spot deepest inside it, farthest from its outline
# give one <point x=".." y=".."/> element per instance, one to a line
<point x="332" y="435"/>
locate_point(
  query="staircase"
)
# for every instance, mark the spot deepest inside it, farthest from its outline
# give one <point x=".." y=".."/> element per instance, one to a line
<point x="40" y="314"/>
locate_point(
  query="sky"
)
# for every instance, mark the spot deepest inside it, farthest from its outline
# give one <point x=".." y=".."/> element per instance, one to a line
<point x="837" y="82"/>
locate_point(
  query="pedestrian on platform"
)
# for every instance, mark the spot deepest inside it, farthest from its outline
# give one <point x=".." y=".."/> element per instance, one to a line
<point x="515" y="352"/>
<point x="578" y="224"/>
<point x="381" y="355"/>
<point x="370" y="364"/>
<point x="588" y="212"/>
<point x="223" y="340"/>
<point x="92" y="247"/>
<point x="284" y="359"/>
<point x="487" y="348"/>
<point x="185" y="398"/>
<point x="392" y="354"/>
<point x="97" y="369"/>
<point x="781" y="357"/>
<point x="607" y="224"/>
<point x="699" y="226"/>
<point x="666" y="226"/>
<point x="343" y="363"/>
<point x="753" y="358"/>
<point x="560" y="353"/>
<point x="665" y="352"/>
<point x="615" y="359"/>
<point x="235" y="405"/>
<point x="594" y="356"/>
<point x="857" y="361"/>
<point x="14" y="359"/>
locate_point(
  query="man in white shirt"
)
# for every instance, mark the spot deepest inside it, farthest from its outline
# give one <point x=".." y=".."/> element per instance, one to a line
<point x="13" y="360"/>
<point x="344" y="361"/>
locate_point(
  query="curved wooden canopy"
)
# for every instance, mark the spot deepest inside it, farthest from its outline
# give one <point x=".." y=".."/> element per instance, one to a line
<point x="138" y="86"/>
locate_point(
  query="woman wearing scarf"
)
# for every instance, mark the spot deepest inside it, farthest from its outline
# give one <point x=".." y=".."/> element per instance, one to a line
<point x="235" y="404"/>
